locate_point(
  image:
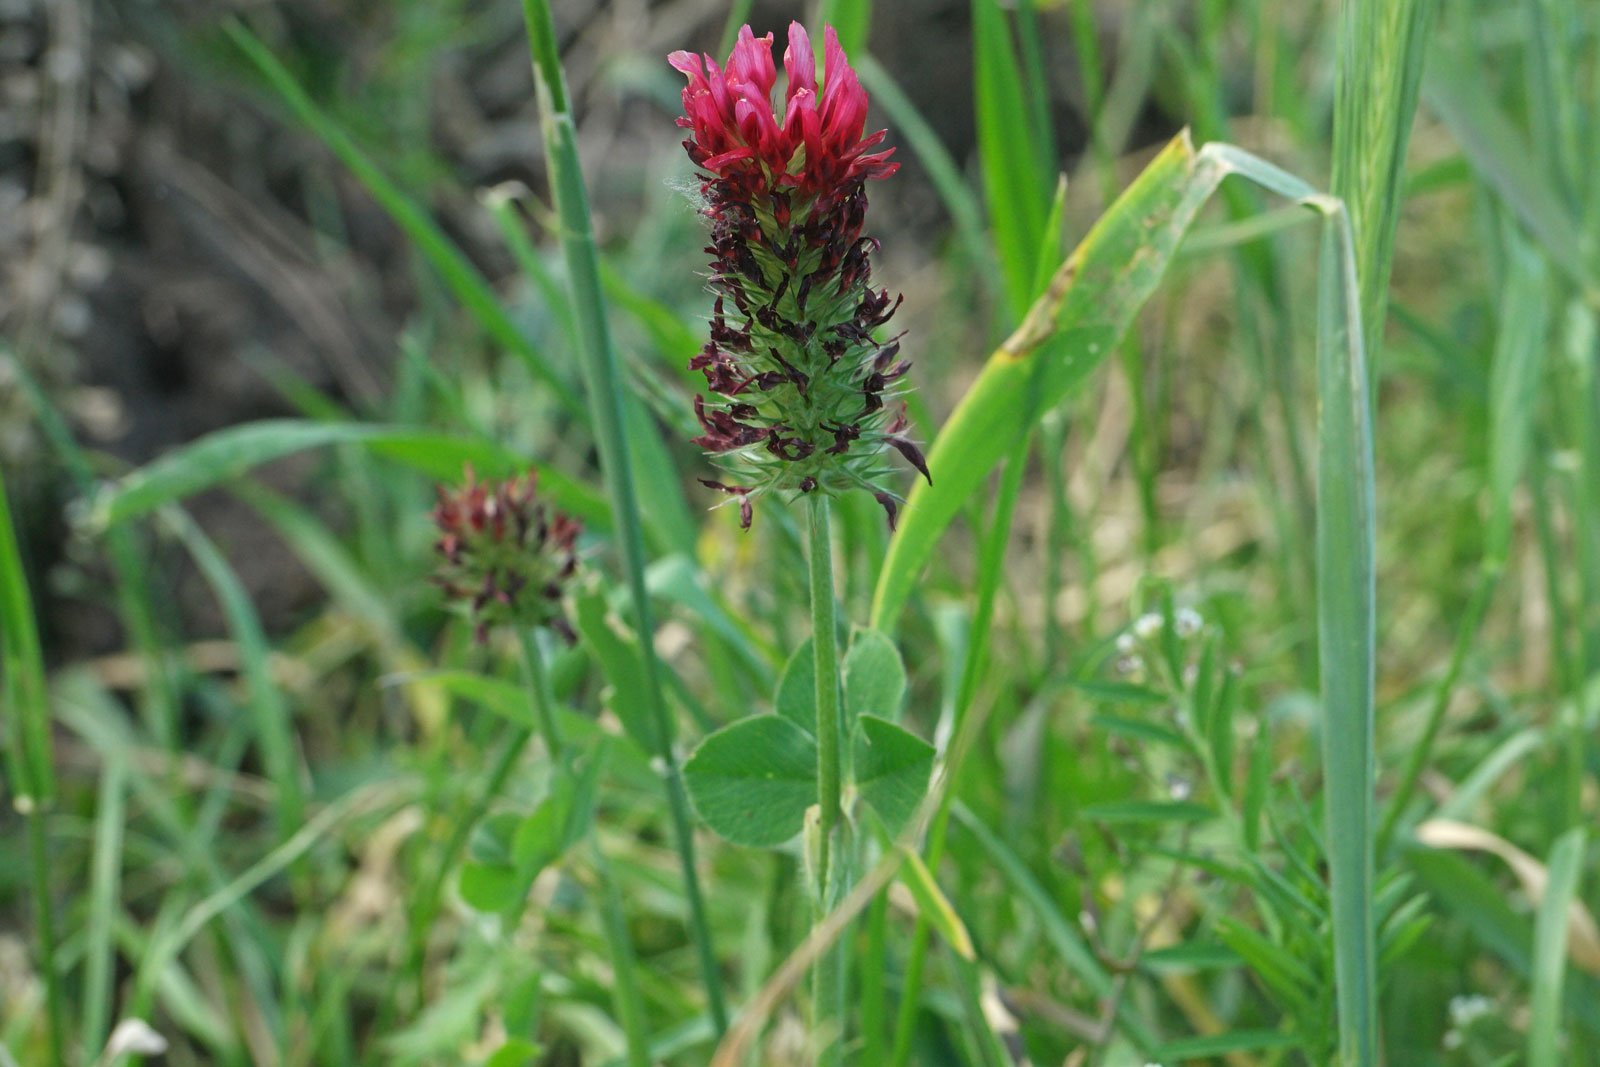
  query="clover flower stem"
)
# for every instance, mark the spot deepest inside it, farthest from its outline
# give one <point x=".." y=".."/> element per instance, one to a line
<point x="832" y="864"/>
<point x="538" y="682"/>
<point x="605" y="390"/>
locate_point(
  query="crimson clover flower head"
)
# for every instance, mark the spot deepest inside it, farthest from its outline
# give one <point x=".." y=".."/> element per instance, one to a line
<point x="814" y="146"/>
<point x="503" y="554"/>
<point x="801" y="392"/>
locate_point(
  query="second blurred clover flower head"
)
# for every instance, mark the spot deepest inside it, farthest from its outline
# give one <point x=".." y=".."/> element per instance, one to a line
<point x="504" y="554"/>
<point x="802" y="394"/>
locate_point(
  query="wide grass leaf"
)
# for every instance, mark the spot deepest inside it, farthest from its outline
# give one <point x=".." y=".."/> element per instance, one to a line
<point x="1087" y="307"/>
<point x="227" y="454"/>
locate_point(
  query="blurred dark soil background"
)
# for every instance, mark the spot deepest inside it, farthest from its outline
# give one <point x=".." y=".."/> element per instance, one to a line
<point x="175" y="246"/>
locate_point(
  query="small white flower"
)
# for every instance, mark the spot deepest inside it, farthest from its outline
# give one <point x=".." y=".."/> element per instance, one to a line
<point x="1147" y="626"/>
<point x="1130" y="665"/>
<point x="133" y="1037"/>
<point x="1187" y="622"/>
<point x="1179" y="788"/>
<point x="1466" y="1010"/>
<point x="1127" y="643"/>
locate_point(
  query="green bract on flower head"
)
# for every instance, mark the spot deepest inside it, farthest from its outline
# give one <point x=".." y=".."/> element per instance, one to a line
<point x="503" y="554"/>
<point x="802" y="395"/>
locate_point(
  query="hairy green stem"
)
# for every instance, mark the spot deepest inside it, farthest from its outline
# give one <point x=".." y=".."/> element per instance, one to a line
<point x="824" y="644"/>
<point x="832" y="864"/>
<point x="605" y="392"/>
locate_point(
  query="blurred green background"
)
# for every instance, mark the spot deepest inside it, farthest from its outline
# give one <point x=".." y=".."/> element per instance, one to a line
<point x="347" y="221"/>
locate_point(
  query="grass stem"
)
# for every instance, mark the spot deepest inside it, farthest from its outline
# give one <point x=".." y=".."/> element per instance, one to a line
<point x="605" y="395"/>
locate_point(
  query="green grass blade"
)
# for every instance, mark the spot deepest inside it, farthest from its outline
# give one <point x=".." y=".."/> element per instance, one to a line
<point x="227" y="454"/>
<point x="1484" y="776"/>
<point x="850" y="19"/>
<point x="738" y="15"/>
<point x="362" y="802"/>
<point x="1086" y="310"/>
<point x="1550" y="949"/>
<point x="933" y="906"/>
<point x="104" y="882"/>
<point x="605" y="396"/>
<point x="1075" y="953"/>
<point x="269" y="711"/>
<point x="628" y="1001"/>
<point x="159" y="706"/>
<point x="29" y="762"/>
<point x="1514" y="389"/>
<point x="1088" y="306"/>
<point x="1014" y="182"/>
<point x="1346" y="632"/>
<point x="1479" y="904"/>
<point x="1206" y="1048"/>
<point x="1381" y="48"/>
<point x="1553" y="91"/>
<point x="1455" y="89"/>
<point x="1041" y="130"/>
<point x="463" y="279"/>
<point x="1513" y="400"/>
